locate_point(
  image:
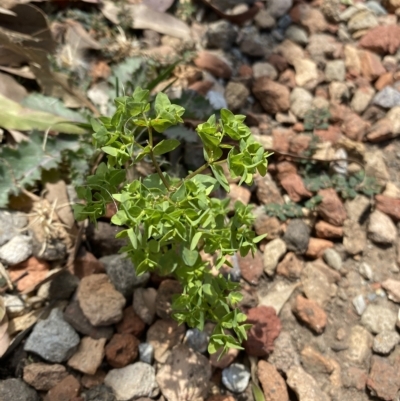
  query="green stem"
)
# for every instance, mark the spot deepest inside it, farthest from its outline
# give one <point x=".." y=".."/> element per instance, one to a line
<point x="202" y="168"/>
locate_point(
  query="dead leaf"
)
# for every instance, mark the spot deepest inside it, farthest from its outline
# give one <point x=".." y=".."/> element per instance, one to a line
<point x="78" y="37"/>
<point x="144" y="17"/>
<point x="24" y="72"/>
<point x="4" y="336"/>
<point x="11" y="89"/>
<point x="24" y="322"/>
<point x="2" y="309"/>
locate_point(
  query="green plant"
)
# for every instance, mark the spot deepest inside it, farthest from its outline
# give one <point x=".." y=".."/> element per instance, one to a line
<point x="169" y="221"/>
<point x="316" y="119"/>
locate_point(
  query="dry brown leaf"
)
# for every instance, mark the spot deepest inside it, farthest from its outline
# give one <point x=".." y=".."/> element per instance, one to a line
<point x="24" y="322"/>
<point x="24" y="72"/>
<point x="77" y="36"/>
<point x="10" y="88"/>
<point x="2" y="309"/>
<point x="4" y="335"/>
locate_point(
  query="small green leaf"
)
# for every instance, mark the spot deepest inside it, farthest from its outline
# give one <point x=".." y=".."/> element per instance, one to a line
<point x="220" y="176"/>
<point x="195" y="240"/>
<point x="110" y="150"/>
<point x="165" y="146"/>
<point x="190" y="256"/>
<point x="257" y="392"/>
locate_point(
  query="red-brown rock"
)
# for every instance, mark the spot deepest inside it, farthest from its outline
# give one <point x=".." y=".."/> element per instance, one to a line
<point x="332" y="134"/>
<point x="380" y="131"/>
<point x="43" y="376"/>
<point x="331" y="208"/>
<point x="89" y="381"/>
<point x="131" y="323"/>
<point x="273" y="96"/>
<point x="311" y="18"/>
<point x="328" y="231"/>
<point x="317" y="247"/>
<point x="294" y="186"/>
<point x="382" y="39"/>
<point x="371" y="66"/>
<point x="354" y="127"/>
<point x="122" y="350"/>
<point x="278" y="61"/>
<point x="288" y="78"/>
<point x="356" y="378"/>
<point x="213" y="64"/>
<point x="290" y="267"/>
<point x="299" y="144"/>
<point x="384" y="80"/>
<point x="272" y="383"/>
<point x="265" y="224"/>
<point x="266" y="327"/>
<point x="310" y="313"/>
<point x="282" y="139"/>
<point x="86" y="264"/>
<point x="389" y="206"/>
<point x="201" y="87"/>
<point x="251" y="268"/>
<point x="66" y="390"/>
<point x="285" y="168"/>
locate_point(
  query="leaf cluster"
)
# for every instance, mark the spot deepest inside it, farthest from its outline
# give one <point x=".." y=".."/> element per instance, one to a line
<point x="170" y="222"/>
<point x="316" y="118"/>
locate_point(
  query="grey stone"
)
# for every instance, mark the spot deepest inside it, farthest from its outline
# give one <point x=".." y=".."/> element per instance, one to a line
<point x="122" y="274"/>
<point x="18" y="249"/>
<point x="362" y="98"/>
<point x="132" y="381"/>
<point x="366" y="271"/>
<point x="354" y="237"/>
<point x="53" y="339"/>
<point x="264" y="19"/>
<point x="12" y="223"/>
<point x="144" y="304"/>
<point x="278" y="8"/>
<point x="284" y="355"/>
<point x="375" y="166"/>
<point x="316" y="285"/>
<point x="216" y="99"/>
<point x="335" y="70"/>
<point x="196" y="339"/>
<point x="381" y="228"/>
<point x="236" y="95"/>
<point x="378" y="318"/>
<point x="359" y="304"/>
<point x="300" y="102"/>
<point x="273" y="252"/>
<point x="357" y="207"/>
<point x="236" y="377"/>
<point x="364" y="19"/>
<point x="99" y="393"/>
<point x="385" y="341"/>
<point x="63" y="286"/>
<point x="387" y="98"/>
<point x="221" y="35"/>
<point x="16" y="390"/>
<point x="263" y="69"/>
<point x="359" y="345"/>
<point x="146" y="353"/>
<point x="102" y="238"/>
<point x="297" y="236"/>
<point x="297" y="34"/>
<point x="376" y="8"/>
<point x="304" y="385"/>
<point x="333" y="259"/>
<point x="254" y="44"/>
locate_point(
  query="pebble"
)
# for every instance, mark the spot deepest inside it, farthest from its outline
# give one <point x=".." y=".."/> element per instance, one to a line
<point x="42" y="376"/>
<point x="335" y="70"/>
<point x="364" y="19"/>
<point x="221" y="35"/>
<point x="362" y="98"/>
<point x="263" y="69"/>
<point x="357" y="208"/>
<point x="16" y="390"/>
<point x="316" y="285"/>
<point x="146" y="353"/>
<point x="290" y="267"/>
<point x="15" y="251"/>
<point x="300" y="102"/>
<point x="67" y="389"/>
<point x="381" y="228"/>
<point x="272" y="383"/>
<point x="333" y="259"/>
<point x="387" y="98"/>
<point x="11" y="224"/>
<point x="122" y="274"/>
<point x="144" y="304"/>
<point x="385" y="341"/>
<point x="310" y="313"/>
<point x="122" y="350"/>
<point x="14" y="305"/>
<point x="278" y="294"/>
<point x="216" y="99"/>
<point x="392" y="287"/>
<point x="273" y="252"/>
<point x="131" y="323"/>
<point x="62" y="286"/>
<point x="264" y="20"/>
<point x="100" y="302"/>
<point x="284" y="355"/>
<point x="376" y="8"/>
<point x="359" y="345"/>
<point x="366" y="271"/>
<point x="236" y="378"/>
<point x="89" y="355"/>
<point x="359" y="304"/>
<point x="354" y="237"/>
<point x="297" y="35"/>
<point x="132" y="381"/>
<point x="53" y="339"/>
<point x="194" y="376"/>
<point x="236" y="95"/>
<point x="196" y="339"/>
<point x="100" y="393"/>
<point x="251" y="268"/>
<point x="166" y="291"/>
<point x="378" y="318"/>
<point x="304" y="385"/>
<point x="278" y="8"/>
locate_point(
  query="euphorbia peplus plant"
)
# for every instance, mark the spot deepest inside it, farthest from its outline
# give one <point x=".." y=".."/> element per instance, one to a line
<point x="168" y="220"/>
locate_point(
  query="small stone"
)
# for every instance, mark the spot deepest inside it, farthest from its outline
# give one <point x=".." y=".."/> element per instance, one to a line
<point x="304" y="385"/>
<point x="224" y="361"/>
<point x="99" y="393"/>
<point x="387" y="98"/>
<point x="380" y="131"/>
<point x="383" y="380"/>
<point x="300" y="102"/>
<point x="132" y="381"/>
<point x="328" y="231"/>
<point x="18" y="249"/>
<point x="144" y="304"/>
<point x="364" y="19"/>
<point x="264" y="19"/>
<point x="236" y="95"/>
<point x="265" y="328"/>
<point x="221" y="34"/>
<point x="385" y="341"/>
<point x="371" y="66"/>
<point x="262" y="69"/>
<point x="382" y="39"/>
<point x="273" y="96"/>
<point x="306" y="73"/>
<point x="194" y="375"/>
<point x="251" y="269"/>
<point x="163" y="335"/>
<point x="366" y="271"/>
<point x="381" y="228"/>
<point x="267" y="190"/>
<point x="317" y="247"/>
<point x="278" y="8"/>
<point x="273" y="252"/>
<point x="99" y="300"/>
<point x="314" y="362"/>
<point x="339" y="93"/>
<point x="389" y="206"/>
<point x="359" y="345"/>
<point x="53" y="339"/>
<point x="295" y="188"/>
<point x="394" y="116"/>
<point x="122" y="350"/>
<point x="214" y="64"/>
<point x="146" y="353"/>
<point x="352" y="60"/>
<point x="377" y="318"/>
<point x="357" y="207"/>
<point x="310" y="313"/>
<point x="67" y="389"/>
<point x="392" y="287"/>
<point x="11" y="224"/>
<point x="131" y="323"/>
<point x="122" y="274"/>
<point x="335" y="70"/>
<point x="236" y="378"/>
<point x="290" y="267"/>
<point x="309" y="17"/>
<point x="74" y="316"/>
<point x="102" y="239"/>
<point x="355" y="378"/>
<point x="333" y="259"/>
<point x="42" y="376"/>
<point x="254" y="44"/>
<point x="16" y="390"/>
<point x="63" y="286"/>
<point x="89" y="381"/>
<point x="297" y="236"/>
<point x="89" y="355"/>
<point x="290" y="51"/>
<point x="277" y="295"/>
<point x="362" y="98"/>
<point x="166" y="291"/>
<point x="359" y="304"/>
<point x="272" y="383"/>
<point x="86" y="264"/>
<point x="297" y="35"/>
<point x="355" y="238"/>
<point x="197" y="340"/>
